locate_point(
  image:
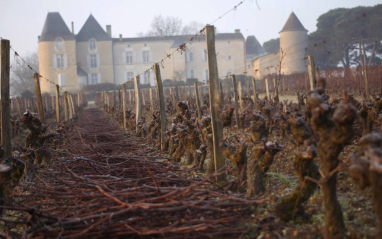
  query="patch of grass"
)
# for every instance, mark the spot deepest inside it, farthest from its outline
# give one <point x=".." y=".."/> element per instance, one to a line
<point x="318" y="219"/>
<point x="281" y="179"/>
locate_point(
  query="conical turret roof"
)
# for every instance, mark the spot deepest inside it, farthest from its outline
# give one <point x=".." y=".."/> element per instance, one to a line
<point x="293" y="24"/>
<point x="252" y="46"/>
<point x="55" y="27"/>
<point x="92" y="29"/>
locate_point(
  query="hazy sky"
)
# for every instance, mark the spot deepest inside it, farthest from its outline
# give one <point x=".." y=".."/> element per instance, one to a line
<point x="21" y="21"/>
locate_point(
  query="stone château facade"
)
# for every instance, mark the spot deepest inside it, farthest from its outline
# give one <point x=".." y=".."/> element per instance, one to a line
<point x="93" y="56"/>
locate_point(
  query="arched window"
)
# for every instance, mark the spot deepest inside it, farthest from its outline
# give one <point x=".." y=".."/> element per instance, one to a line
<point x="92" y="45"/>
<point x="59" y="44"/>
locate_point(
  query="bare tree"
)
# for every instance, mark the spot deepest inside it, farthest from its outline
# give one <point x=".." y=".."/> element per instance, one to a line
<point x="22" y="75"/>
<point x="278" y="75"/>
<point x="171" y="26"/>
<point x="166" y="26"/>
<point x="192" y="28"/>
<point x="179" y="75"/>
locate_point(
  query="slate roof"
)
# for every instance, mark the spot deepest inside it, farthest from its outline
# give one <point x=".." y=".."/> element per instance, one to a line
<point x="180" y="39"/>
<point x="293" y="24"/>
<point x="54" y="27"/>
<point x="80" y="71"/>
<point x="92" y="29"/>
<point x="253" y="47"/>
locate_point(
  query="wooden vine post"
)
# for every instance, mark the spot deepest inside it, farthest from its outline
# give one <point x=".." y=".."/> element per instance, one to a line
<point x="367" y="90"/>
<point x="46" y="104"/>
<point x="312" y="73"/>
<point x="79" y="97"/>
<point x="151" y="100"/>
<point x="142" y="93"/>
<point x="70" y="107"/>
<point x="138" y="101"/>
<point x="25" y="104"/>
<point x="202" y="95"/>
<point x="66" y="106"/>
<point x="18" y="106"/>
<point x="33" y="105"/>
<point x="240" y="91"/>
<point x="267" y="88"/>
<point x="40" y="109"/>
<point x="5" y="106"/>
<point x="73" y="106"/>
<point x="198" y="106"/>
<point x="254" y="88"/>
<point x="236" y="100"/>
<point x="57" y="104"/>
<point x="162" y="109"/>
<point x="127" y="96"/>
<point x="124" y="106"/>
<point x="119" y="100"/>
<point x="221" y="96"/>
<point x="217" y="124"/>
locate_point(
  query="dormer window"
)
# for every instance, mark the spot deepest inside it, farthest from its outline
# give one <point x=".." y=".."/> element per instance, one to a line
<point x="92" y="45"/>
<point x="59" y="44"/>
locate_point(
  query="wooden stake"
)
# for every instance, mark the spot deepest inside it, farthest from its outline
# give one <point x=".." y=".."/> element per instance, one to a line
<point x="46" y="104"/>
<point x="70" y="107"/>
<point x="52" y="102"/>
<point x="217" y="124"/>
<point x="40" y="109"/>
<point x="33" y="105"/>
<point x="254" y="88"/>
<point x="57" y="104"/>
<point x="151" y="100"/>
<point x="25" y="104"/>
<point x="18" y="106"/>
<point x="367" y="91"/>
<point x="199" y="108"/>
<point x="267" y="89"/>
<point x="114" y="99"/>
<point x="66" y="105"/>
<point x="127" y="97"/>
<point x="312" y="73"/>
<point x="221" y="96"/>
<point x="143" y="97"/>
<point x="176" y="94"/>
<point x="119" y="100"/>
<point x="73" y="106"/>
<point x="202" y="95"/>
<point x="138" y="101"/>
<point x="5" y="100"/>
<point x="236" y="100"/>
<point x="162" y="109"/>
<point x="240" y="91"/>
<point x="11" y="104"/>
<point x="124" y="106"/>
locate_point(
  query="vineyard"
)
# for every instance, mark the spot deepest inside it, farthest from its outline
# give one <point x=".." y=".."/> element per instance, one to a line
<point x="298" y="157"/>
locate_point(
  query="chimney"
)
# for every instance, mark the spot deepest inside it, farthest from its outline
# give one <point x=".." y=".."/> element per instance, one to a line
<point x="237" y="30"/>
<point x="120" y="37"/>
<point x="108" y="30"/>
<point x="73" y="28"/>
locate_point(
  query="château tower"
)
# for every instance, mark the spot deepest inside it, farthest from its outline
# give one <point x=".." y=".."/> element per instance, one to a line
<point x="293" y="46"/>
<point x="57" y="54"/>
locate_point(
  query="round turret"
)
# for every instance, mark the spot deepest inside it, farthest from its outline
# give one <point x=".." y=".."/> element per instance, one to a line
<point x="293" y="46"/>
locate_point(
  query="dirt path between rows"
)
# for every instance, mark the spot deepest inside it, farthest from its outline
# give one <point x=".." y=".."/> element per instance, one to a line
<point x="105" y="183"/>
